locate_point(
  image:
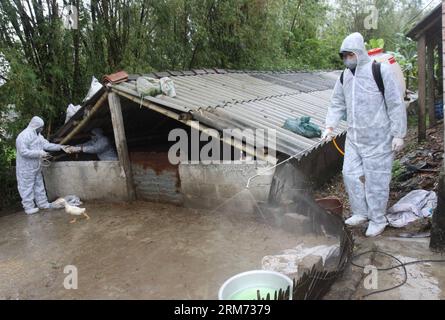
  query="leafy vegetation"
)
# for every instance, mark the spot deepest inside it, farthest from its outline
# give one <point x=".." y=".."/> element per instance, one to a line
<point x="397" y="170"/>
<point x="376" y="43"/>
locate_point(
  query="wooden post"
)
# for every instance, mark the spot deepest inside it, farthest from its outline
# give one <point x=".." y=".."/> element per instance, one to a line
<point x="121" y="141"/>
<point x="421" y="61"/>
<point x="439" y="73"/>
<point x="442" y="56"/>
<point x="437" y="240"/>
<point x="430" y="82"/>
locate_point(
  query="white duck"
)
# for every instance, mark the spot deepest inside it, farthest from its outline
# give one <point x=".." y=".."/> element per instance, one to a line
<point x="76" y="211"/>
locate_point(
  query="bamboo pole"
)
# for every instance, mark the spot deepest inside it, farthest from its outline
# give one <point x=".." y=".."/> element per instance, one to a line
<point x="85" y="120"/>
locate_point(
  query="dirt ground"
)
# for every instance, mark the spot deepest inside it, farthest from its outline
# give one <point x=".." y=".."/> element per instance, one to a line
<point x="132" y="251"/>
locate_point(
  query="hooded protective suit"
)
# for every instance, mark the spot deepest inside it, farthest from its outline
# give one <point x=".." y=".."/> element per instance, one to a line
<point x="30" y="147"/>
<point x="373" y="121"/>
<point x="100" y="145"/>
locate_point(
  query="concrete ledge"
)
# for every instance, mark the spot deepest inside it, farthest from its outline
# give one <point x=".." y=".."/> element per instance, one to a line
<point x="89" y="180"/>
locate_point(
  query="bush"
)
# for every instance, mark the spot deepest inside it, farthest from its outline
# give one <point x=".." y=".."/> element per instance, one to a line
<point x="8" y="190"/>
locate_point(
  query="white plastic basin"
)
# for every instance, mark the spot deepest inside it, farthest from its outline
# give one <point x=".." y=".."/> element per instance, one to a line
<point x="244" y="286"/>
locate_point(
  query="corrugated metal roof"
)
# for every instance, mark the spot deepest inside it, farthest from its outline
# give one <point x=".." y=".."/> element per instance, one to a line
<point x="432" y="19"/>
<point x="251" y="100"/>
<point x="213" y="90"/>
<point x="304" y="82"/>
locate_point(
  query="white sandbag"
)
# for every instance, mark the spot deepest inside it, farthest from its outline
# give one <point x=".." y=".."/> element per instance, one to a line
<point x="94" y="87"/>
<point x="72" y="200"/>
<point x="71" y="110"/>
<point x="168" y="87"/>
<point x="147" y="86"/>
<point x="415" y="205"/>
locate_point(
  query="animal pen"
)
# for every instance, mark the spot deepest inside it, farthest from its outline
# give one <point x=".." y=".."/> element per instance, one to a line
<point x="208" y="102"/>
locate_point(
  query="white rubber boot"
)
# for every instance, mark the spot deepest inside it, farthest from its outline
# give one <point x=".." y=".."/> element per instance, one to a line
<point x="374" y="229"/>
<point x="32" y="211"/>
<point x="356" y="220"/>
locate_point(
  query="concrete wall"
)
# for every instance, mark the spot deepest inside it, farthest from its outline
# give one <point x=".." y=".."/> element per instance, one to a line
<point x="212" y="186"/>
<point x="89" y="180"/>
<point x="223" y="186"/>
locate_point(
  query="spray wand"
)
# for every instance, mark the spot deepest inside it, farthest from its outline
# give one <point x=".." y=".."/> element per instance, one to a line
<point x="280" y="163"/>
<point x="291" y="157"/>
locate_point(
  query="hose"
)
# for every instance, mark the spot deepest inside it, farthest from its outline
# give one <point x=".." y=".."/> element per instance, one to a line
<point x="46" y="161"/>
<point x="337" y="147"/>
<point x="399" y="265"/>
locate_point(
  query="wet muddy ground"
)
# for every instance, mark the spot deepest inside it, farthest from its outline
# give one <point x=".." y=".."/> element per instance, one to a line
<point x="424" y="281"/>
<point x="132" y="251"/>
<point x="153" y="251"/>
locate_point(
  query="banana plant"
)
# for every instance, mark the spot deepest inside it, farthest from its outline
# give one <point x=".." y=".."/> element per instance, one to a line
<point x="375" y="43"/>
<point x="406" y="55"/>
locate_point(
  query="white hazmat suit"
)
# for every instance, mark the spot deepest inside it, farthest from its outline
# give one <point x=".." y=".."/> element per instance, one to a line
<point x="375" y="122"/>
<point x="99" y="145"/>
<point x="31" y="146"/>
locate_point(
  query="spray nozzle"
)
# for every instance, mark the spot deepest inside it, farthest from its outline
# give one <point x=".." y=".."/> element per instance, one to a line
<point x="282" y="162"/>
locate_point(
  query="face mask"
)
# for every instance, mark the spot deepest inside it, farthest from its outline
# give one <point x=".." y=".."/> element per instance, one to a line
<point x="39" y="130"/>
<point x="350" y="63"/>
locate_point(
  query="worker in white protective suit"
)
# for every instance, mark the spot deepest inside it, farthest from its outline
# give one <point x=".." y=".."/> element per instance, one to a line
<point x="376" y="129"/>
<point x="31" y="150"/>
<point x="99" y="145"/>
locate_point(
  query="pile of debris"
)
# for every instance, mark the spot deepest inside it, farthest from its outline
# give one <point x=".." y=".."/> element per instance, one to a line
<point x="302" y="259"/>
<point x="418" y="165"/>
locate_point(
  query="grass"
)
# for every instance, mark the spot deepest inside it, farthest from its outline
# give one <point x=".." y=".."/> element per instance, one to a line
<point x="413" y="121"/>
<point x="397" y="170"/>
